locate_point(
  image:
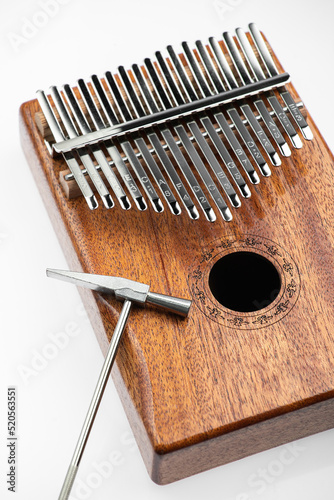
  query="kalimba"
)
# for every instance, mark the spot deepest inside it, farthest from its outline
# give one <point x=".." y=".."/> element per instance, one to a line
<point x="214" y="184"/>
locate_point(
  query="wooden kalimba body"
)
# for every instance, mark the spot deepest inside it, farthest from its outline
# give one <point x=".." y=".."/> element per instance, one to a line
<point x="231" y="198"/>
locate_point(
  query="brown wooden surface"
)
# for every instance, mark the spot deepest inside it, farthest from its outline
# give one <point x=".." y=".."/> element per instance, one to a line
<point x="216" y="386"/>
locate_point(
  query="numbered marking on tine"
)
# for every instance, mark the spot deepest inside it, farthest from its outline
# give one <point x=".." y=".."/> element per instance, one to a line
<point x="272" y="71"/>
<point x="179" y="157"/>
<point x="149" y="159"/>
<point x="272" y="99"/>
<point x="128" y="150"/>
<point x="69" y="158"/>
<point x="260" y="105"/>
<point x="84" y="129"/>
<point x="190" y="128"/>
<point x="112" y="149"/>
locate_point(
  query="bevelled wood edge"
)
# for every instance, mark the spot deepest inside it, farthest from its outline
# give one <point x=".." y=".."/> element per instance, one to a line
<point x="244" y="442"/>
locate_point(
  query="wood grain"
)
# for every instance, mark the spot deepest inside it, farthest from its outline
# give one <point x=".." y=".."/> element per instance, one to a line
<point x="212" y="388"/>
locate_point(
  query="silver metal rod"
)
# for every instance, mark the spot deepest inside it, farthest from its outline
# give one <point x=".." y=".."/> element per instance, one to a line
<point x="272" y="71"/>
<point x="234" y="143"/>
<point x="247" y="80"/>
<point x="72" y="132"/>
<point x="127" y="148"/>
<point x="158" y="147"/>
<point x="207" y="123"/>
<point x="173" y="145"/>
<point x="98" y="152"/>
<point x="197" y="134"/>
<point x="191" y="151"/>
<point x="175" y="150"/>
<point x="141" y="144"/>
<point x="72" y="163"/>
<point x="272" y="99"/>
<point x="95" y="403"/>
<point x="232" y="111"/>
<point x="70" y="177"/>
<point x="115" y="155"/>
<point x="172" y="113"/>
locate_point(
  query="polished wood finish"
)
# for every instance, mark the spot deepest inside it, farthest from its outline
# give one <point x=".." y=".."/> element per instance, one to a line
<point x="217" y="386"/>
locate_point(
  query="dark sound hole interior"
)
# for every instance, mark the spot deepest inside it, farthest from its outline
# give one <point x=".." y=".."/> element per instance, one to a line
<point x="244" y="281"/>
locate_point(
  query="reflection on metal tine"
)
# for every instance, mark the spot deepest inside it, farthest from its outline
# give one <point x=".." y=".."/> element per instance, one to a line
<point x="272" y="127"/>
<point x="174" y="148"/>
<point x="98" y="153"/>
<point x="149" y="159"/>
<point x="82" y="152"/>
<point x="128" y="150"/>
<point x="216" y="141"/>
<point x="211" y="71"/>
<point x="246" y="79"/>
<point x="155" y="141"/>
<point x="223" y="64"/>
<point x="233" y="113"/>
<point x="272" y="99"/>
<point x="206" y="177"/>
<point x="192" y="63"/>
<point x="112" y="150"/>
<point x="200" y="167"/>
<point x="204" y="146"/>
<point x="247" y="166"/>
<point x="248" y="140"/>
<point x="272" y="70"/>
<point x="246" y="109"/>
<point x="261" y="135"/>
<point x="69" y="158"/>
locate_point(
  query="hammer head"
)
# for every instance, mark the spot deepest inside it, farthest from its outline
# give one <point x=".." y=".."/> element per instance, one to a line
<point x="123" y="289"/>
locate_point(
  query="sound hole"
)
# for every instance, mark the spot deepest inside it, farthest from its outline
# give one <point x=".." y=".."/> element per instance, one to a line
<point x="244" y="281"/>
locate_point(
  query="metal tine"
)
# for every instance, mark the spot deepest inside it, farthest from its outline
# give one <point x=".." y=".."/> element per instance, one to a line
<point x="155" y="141"/>
<point x="150" y="161"/>
<point x="245" y="108"/>
<point x="232" y="112"/>
<point x="127" y="147"/>
<point x="112" y="150"/>
<point x="176" y="151"/>
<point x="234" y="143"/>
<point x="216" y="141"/>
<point x="98" y="153"/>
<point x="191" y="150"/>
<point x="214" y="137"/>
<point x="206" y="150"/>
<point x="272" y="71"/>
<point x="207" y="123"/>
<point x="259" y="103"/>
<point x="69" y="158"/>
<point x="274" y="102"/>
<point x="177" y="154"/>
<point x="82" y="152"/>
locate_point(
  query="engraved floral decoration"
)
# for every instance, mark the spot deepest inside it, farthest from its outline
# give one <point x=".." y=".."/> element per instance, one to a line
<point x="207" y="256"/>
<point x="237" y="321"/>
<point x="214" y="312"/>
<point x="199" y="295"/>
<point x="280" y="306"/>
<point x="262" y="320"/>
<point x="272" y="250"/>
<point x="291" y="288"/>
<point x="287" y="266"/>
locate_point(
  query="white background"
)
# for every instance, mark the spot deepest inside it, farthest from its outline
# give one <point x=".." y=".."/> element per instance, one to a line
<point x="80" y="38"/>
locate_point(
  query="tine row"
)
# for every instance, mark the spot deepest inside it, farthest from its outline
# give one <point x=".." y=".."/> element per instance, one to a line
<point x="228" y="142"/>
